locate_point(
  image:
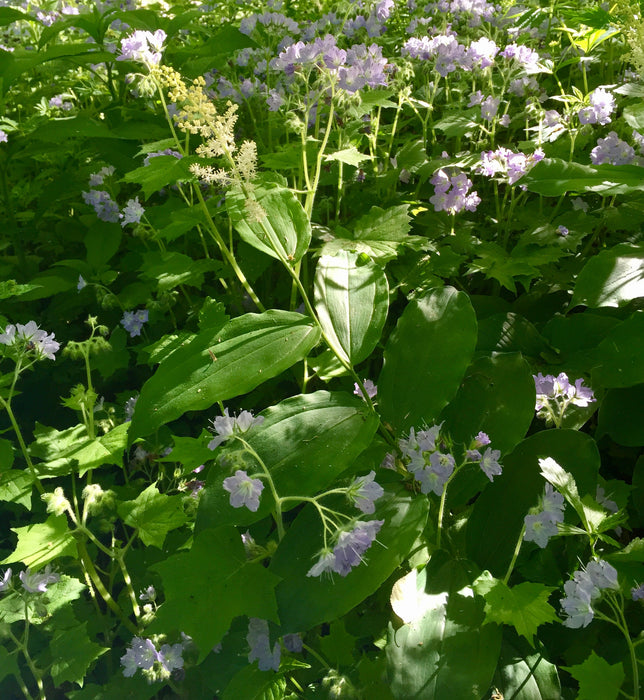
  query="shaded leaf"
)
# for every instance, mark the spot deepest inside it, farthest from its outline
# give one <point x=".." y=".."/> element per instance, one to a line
<point x="153" y="514"/>
<point x="598" y="680"/>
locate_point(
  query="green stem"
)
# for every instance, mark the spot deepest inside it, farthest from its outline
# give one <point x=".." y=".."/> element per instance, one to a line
<point x="22" y="647"/>
<point x="517" y="549"/>
<point x="7" y="406"/>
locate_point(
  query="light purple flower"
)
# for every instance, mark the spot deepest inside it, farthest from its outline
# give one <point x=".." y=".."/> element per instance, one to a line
<point x="227" y="426"/>
<point x="105" y="207"/>
<point x="243" y="490"/>
<point x="141" y="654"/>
<point x="369" y="386"/>
<point x="259" y="642"/>
<point x="637" y="593"/>
<point x="482" y="52"/>
<point x="37" y="582"/>
<point x="293" y="643"/>
<point x="132" y="212"/>
<point x="553" y="504"/>
<point x="3" y="136"/>
<point x="99" y="177"/>
<point x="612" y="150"/>
<point x="489" y="108"/>
<point x="325" y="564"/>
<point x="364" y="491"/>
<point x="383" y="9"/>
<point x="539" y="528"/>
<point x="577" y="603"/>
<point x="602" y="574"/>
<point x="353" y="544"/>
<point x="434" y="476"/>
<point x="452" y="191"/>
<point x="32" y="338"/>
<point x="5" y="582"/>
<point x="142" y="46"/>
<point x="133" y="321"/>
<point x="490" y="463"/>
<point x="602" y="105"/>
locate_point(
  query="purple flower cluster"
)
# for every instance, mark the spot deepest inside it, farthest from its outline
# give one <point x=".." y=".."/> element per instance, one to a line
<point x="428" y="465"/>
<point x="452" y="191"/>
<point x="524" y="56"/>
<point x="348" y="551"/>
<point x="144" y="47"/>
<point x="602" y="105"/>
<point x="489" y="460"/>
<point x="540" y="527"/>
<point x="167" y="152"/>
<point x="355" y="68"/>
<point x="506" y="164"/>
<point x="583" y="589"/>
<point x="132" y="212"/>
<point x="32" y="582"/>
<point x="260" y="646"/>
<point x="268" y="20"/>
<point x="133" y="321"/>
<point x="156" y="664"/>
<point x="228" y="426"/>
<point x="556" y="393"/>
<point x="369" y="386"/>
<point x="30" y="338"/>
<point x="243" y="490"/>
<point x="105" y="207"/>
<point x="612" y="150"/>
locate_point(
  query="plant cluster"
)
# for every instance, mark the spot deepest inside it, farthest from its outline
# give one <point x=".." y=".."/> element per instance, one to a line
<point x="320" y="350"/>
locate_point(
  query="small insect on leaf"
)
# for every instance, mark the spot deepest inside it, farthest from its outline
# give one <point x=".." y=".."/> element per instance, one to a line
<point x="212" y="355"/>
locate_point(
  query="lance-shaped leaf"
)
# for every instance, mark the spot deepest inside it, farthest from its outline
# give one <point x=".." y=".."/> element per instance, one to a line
<point x="284" y="232"/>
<point x="352" y="298"/>
<point x="306" y="442"/>
<point x="426" y="358"/>
<point x="221" y="363"/>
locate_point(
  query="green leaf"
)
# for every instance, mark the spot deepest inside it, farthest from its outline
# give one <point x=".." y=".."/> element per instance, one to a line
<point x="338" y="645"/>
<point x="563" y="482"/>
<point x="306" y="442"/>
<point x="523" y="674"/>
<point x="160" y="172"/>
<point x="16" y="487"/>
<point x="41" y="543"/>
<point x="611" y="278"/>
<point x="189" y="452"/>
<point x="9" y="15"/>
<point x="67" y="451"/>
<point x="496" y="396"/>
<point x="446" y="652"/>
<point x="496" y="521"/>
<point x="252" y="684"/>
<point x="349" y="156"/>
<point x="305" y="601"/>
<point x="510" y="332"/>
<point x="553" y="177"/>
<point x="426" y="357"/>
<point x="598" y="680"/>
<point x="10" y="288"/>
<point x="8" y="661"/>
<point x="524" y="606"/>
<point x="380" y="234"/>
<point x="153" y="514"/>
<point x="207" y="587"/>
<point x="73" y="653"/>
<point x="284" y="233"/>
<point x="171" y="269"/>
<point x="352" y="299"/>
<point x="619" y="355"/>
<point x="249" y="350"/>
<point x="621" y="415"/>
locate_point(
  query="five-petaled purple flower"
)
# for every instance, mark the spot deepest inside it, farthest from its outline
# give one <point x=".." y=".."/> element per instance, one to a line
<point x="133" y="321"/>
<point x="364" y="491"/>
<point x="243" y="490"/>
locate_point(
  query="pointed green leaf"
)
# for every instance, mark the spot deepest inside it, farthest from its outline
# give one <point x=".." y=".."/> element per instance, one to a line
<point x="352" y="299"/>
<point x="523" y="674"/>
<point x="305" y="601"/>
<point x="349" y="156"/>
<point x="221" y="364"/>
<point x="306" y="442"/>
<point x="8" y="663"/>
<point x="161" y="171"/>
<point x="426" y="357"/>
<point x="41" y="543"/>
<point x="524" y="606"/>
<point x="285" y="230"/>
<point x="210" y="585"/>
<point x="153" y="514"/>
<point x="598" y="680"/>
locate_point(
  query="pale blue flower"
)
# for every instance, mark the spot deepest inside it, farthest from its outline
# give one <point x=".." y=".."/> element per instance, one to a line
<point x="539" y="528"/>
<point x="133" y="321"/>
<point x="243" y="490"/>
<point x="353" y="544"/>
<point x="259" y="642"/>
<point x="490" y="463"/>
<point x="364" y="491"/>
<point x="132" y="212"/>
<point x="227" y="426"/>
<point x="37" y="582"/>
<point x="637" y="593"/>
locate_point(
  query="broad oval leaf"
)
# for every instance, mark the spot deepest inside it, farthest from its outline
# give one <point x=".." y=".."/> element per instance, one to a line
<point x="222" y="363"/>
<point x="305" y="601"/>
<point x="496" y="520"/>
<point x="352" y="299"/>
<point x="523" y="674"/>
<point x="621" y="361"/>
<point x="285" y="230"/>
<point x="611" y="278"/>
<point x="306" y="442"/>
<point x="446" y="652"/>
<point x="426" y="357"/>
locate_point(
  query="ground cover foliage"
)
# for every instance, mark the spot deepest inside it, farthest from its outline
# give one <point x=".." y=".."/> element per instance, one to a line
<point x="320" y="350"/>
